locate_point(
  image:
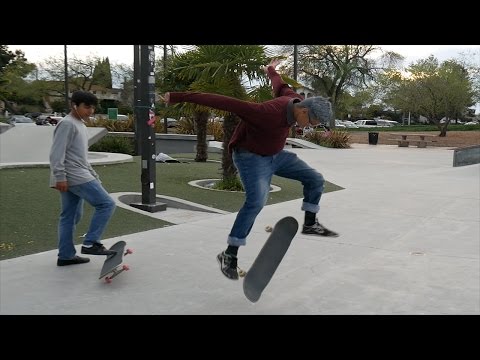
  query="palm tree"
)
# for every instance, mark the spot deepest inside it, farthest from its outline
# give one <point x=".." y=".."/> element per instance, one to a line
<point x="227" y="70"/>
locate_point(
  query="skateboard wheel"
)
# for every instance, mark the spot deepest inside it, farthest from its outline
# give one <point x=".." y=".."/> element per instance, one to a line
<point x="268" y="228"/>
<point x="242" y="273"/>
<point x="129" y="251"/>
<point x="108" y="280"/>
<point x="126" y="267"/>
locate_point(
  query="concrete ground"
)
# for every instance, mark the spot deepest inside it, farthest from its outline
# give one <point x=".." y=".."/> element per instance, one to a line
<point x="409" y="227"/>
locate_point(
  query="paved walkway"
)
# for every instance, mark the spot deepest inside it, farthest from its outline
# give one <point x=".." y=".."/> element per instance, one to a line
<point x="409" y="244"/>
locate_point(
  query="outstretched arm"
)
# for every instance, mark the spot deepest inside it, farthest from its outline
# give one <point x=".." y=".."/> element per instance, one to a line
<point x="215" y="101"/>
<point x="280" y="88"/>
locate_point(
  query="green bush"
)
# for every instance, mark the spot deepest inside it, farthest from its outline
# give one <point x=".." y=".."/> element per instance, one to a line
<point x="185" y="126"/>
<point x="115" y="144"/>
<point x="215" y="128"/>
<point x="229" y="184"/>
<point x="334" y="139"/>
<point x="113" y="125"/>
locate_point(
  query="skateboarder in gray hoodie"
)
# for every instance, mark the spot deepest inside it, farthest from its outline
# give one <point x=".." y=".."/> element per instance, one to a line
<point x="73" y="176"/>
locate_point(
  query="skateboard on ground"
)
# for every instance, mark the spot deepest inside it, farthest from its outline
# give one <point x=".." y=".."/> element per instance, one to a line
<point x="113" y="263"/>
<point x="269" y="257"/>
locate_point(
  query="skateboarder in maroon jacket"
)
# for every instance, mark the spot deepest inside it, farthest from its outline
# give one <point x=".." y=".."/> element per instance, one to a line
<point x="257" y="148"/>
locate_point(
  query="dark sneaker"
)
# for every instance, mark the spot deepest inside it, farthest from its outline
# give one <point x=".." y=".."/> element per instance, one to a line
<point x="318" y="229"/>
<point x="228" y="265"/>
<point x="97" y="249"/>
<point x="75" y="260"/>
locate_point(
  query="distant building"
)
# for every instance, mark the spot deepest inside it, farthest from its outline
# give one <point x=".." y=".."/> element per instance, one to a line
<point x="100" y="92"/>
<point x="305" y="92"/>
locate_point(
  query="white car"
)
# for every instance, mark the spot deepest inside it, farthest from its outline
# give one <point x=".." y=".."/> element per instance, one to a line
<point x="348" y="124"/>
<point x="20" y="120"/>
<point x="339" y="125"/>
<point x="366" y="123"/>
<point x="387" y="123"/>
<point x="122" y="117"/>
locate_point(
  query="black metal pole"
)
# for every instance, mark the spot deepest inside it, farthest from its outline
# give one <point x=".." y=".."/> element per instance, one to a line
<point x="165" y="120"/>
<point x="136" y="98"/>
<point x="144" y="109"/>
<point x="293" y="132"/>
<point x="67" y="104"/>
<point x="295" y="62"/>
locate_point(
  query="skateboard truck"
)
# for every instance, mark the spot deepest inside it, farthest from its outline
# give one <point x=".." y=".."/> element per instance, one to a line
<point x="108" y="279"/>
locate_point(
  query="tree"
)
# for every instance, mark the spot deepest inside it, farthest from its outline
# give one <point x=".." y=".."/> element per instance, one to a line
<point x="13" y="68"/>
<point x="433" y="90"/>
<point x="225" y="70"/>
<point x="83" y="73"/>
<point x="102" y="74"/>
<point x="124" y="74"/>
<point x="333" y="69"/>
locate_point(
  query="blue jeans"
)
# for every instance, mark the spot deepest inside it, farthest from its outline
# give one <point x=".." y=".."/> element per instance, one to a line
<point x="256" y="173"/>
<point x="72" y="211"/>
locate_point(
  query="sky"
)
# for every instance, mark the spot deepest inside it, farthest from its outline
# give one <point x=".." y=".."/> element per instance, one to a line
<point x="123" y="54"/>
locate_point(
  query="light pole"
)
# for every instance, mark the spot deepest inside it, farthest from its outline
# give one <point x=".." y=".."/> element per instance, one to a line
<point x="293" y="132"/>
<point x="67" y="105"/>
<point x="165" y="120"/>
<point x="295" y="62"/>
<point x="144" y="105"/>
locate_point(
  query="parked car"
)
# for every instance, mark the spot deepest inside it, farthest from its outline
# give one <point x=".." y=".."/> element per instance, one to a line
<point x="340" y="125"/>
<point x="20" y="120"/>
<point x="120" y="117"/>
<point x="387" y="123"/>
<point x="171" y="122"/>
<point x="349" y="124"/>
<point x="53" y="120"/>
<point x="366" y="123"/>
<point x="33" y="115"/>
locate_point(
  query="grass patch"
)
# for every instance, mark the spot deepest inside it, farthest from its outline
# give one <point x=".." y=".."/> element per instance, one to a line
<point x="30" y="209"/>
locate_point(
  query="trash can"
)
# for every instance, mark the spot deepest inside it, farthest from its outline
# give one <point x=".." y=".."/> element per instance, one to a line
<point x="373" y="138"/>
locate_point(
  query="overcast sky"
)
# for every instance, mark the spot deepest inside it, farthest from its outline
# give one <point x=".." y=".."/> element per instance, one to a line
<point x="124" y="53"/>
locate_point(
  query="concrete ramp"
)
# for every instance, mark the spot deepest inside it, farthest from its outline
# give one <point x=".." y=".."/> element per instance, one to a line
<point x="466" y="155"/>
<point x="217" y="146"/>
<point x="302" y="144"/>
<point x="23" y="146"/>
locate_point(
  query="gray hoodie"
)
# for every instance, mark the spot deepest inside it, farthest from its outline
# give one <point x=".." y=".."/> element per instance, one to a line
<point x="69" y="153"/>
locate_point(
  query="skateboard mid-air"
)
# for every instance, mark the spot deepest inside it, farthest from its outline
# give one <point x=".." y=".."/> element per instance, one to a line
<point x="113" y="264"/>
<point x="268" y="259"/>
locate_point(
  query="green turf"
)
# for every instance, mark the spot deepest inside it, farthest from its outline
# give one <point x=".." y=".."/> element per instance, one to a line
<point x="29" y="208"/>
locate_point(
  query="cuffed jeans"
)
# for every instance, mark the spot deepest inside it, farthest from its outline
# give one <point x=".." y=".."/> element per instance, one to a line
<point x="72" y="211"/>
<point x="256" y="173"/>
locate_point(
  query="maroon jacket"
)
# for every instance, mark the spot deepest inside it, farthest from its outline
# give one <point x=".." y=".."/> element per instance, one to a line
<point x="264" y="126"/>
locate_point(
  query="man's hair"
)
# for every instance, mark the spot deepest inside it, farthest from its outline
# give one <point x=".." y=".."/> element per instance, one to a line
<point x="319" y="108"/>
<point x="85" y="97"/>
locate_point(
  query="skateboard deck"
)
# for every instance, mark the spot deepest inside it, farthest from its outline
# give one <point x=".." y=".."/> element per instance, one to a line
<point x="113" y="263"/>
<point x="269" y="257"/>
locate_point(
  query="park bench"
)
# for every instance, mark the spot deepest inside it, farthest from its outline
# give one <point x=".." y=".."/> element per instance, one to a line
<point x="404" y="140"/>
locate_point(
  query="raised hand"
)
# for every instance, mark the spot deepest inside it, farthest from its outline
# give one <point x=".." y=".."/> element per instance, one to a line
<point x="165" y="98"/>
<point x="273" y="62"/>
